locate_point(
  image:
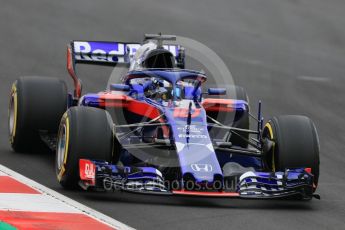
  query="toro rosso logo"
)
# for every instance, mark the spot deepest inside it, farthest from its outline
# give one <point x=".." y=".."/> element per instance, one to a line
<point x="201" y="167"/>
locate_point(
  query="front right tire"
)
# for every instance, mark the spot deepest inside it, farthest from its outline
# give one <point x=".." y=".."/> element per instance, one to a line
<point x="295" y="144"/>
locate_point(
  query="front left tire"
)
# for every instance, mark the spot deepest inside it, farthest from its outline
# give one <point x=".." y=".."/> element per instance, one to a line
<point x="84" y="133"/>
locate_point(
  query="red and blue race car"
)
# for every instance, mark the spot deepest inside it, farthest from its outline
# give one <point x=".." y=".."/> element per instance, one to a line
<point x="158" y="131"/>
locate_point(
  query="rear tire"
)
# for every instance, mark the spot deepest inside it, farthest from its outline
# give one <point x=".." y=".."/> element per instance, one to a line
<point x="36" y="103"/>
<point x="84" y="132"/>
<point x="296" y="144"/>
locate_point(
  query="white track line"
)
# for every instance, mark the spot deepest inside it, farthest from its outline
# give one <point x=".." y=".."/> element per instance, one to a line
<point x="313" y="78"/>
<point x="49" y="192"/>
<point x="33" y="203"/>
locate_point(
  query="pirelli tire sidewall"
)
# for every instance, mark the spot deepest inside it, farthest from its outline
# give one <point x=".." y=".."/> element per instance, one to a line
<point x="296" y="144"/>
<point x="89" y="136"/>
<point x="36" y="103"/>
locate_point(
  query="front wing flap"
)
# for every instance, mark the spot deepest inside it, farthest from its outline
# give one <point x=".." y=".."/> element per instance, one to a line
<point x="292" y="182"/>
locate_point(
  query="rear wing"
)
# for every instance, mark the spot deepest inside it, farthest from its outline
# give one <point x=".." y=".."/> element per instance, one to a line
<point x="107" y="53"/>
<point x="103" y="53"/>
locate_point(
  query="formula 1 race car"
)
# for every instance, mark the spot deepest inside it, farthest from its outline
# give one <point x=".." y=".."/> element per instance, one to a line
<point x="157" y="131"/>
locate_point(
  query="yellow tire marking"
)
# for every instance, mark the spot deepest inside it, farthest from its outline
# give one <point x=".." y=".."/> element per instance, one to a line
<point x="270" y="131"/>
<point x="67" y="141"/>
<point x="15" y="101"/>
<point x="62" y="170"/>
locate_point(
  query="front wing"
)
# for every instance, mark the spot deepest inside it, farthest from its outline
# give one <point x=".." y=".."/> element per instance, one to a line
<point x="101" y="175"/>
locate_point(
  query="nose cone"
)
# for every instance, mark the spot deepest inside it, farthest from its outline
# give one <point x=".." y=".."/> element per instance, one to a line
<point x="197" y="157"/>
<point x="198" y="160"/>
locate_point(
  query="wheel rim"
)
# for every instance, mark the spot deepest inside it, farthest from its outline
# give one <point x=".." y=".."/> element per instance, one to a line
<point x="61" y="146"/>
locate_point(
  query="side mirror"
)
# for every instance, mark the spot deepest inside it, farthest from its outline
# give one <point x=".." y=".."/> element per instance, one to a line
<point x="216" y="91"/>
<point x="119" y="87"/>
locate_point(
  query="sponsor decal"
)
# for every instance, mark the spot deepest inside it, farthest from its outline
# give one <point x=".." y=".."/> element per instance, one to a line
<point x="192" y="136"/>
<point x="183" y="112"/>
<point x="87" y="170"/>
<point x="191" y="128"/>
<point x="201" y="167"/>
<point x="98" y="51"/>
<point x="109" y="51"/>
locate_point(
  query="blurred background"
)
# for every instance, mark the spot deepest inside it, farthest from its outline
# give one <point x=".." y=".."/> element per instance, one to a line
<point x="288" y="53"/>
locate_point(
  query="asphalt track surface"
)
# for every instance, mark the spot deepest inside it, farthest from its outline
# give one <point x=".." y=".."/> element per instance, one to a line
<point x="288" y="53"/>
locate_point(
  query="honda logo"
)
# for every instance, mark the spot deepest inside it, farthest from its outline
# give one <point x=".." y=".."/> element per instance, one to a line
<point x="201" y="167"/>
